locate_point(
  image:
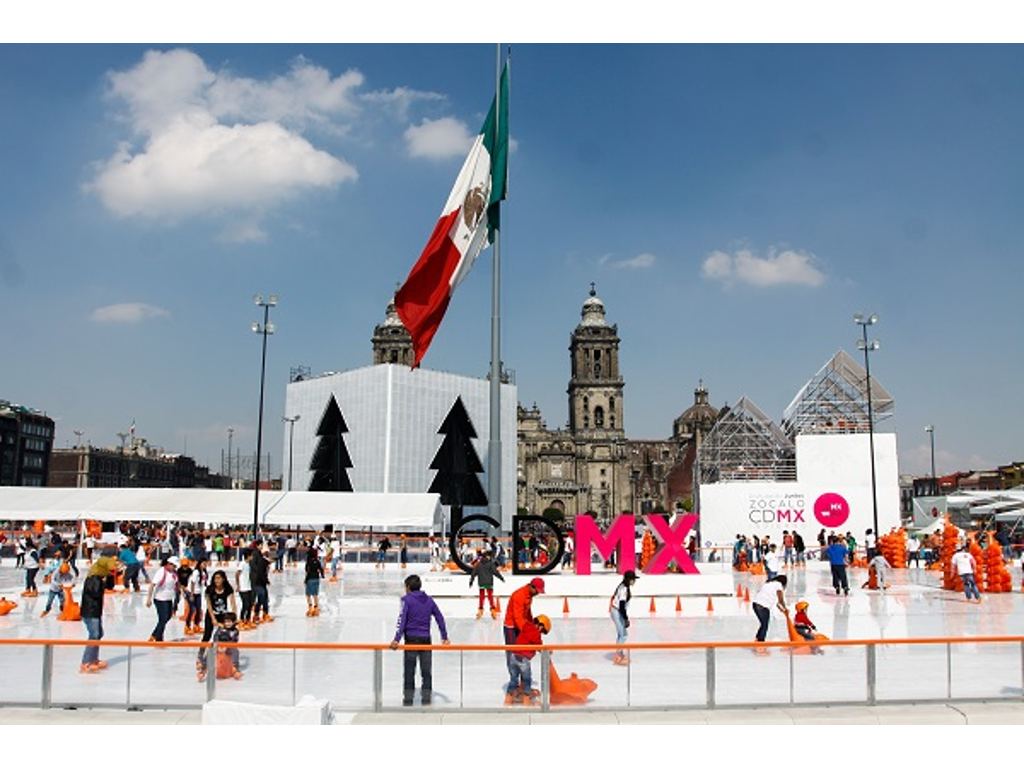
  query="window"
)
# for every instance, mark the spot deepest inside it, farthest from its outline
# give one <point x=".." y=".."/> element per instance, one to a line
<point x="597" y="355"/>
<point x="599" y="417"/>
<point x="604" y="472"/>
<point x="394" y="355"/>
<point x="597" y="370"/>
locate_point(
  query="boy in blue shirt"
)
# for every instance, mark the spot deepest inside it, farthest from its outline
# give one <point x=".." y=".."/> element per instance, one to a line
<point x="838" y="554"/>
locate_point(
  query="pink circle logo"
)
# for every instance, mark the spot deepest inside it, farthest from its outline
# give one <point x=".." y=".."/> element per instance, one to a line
<point x="831" y="509"/>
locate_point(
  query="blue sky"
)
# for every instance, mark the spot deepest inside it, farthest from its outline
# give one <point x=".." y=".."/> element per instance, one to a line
<point x="735" y="206"/>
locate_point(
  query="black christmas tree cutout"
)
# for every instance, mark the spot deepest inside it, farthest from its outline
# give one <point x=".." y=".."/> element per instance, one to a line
<point x="457" y="464"/>
<point x="330" y="459"/>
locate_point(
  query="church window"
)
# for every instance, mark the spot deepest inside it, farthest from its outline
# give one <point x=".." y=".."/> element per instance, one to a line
<point x="597" y="355"/>
<point x="599" y="417"/>
<point x="394" y="355"/>
<point x="597" y="370"/>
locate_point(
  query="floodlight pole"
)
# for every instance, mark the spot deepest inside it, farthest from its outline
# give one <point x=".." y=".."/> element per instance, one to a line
<point x="871" y="419"/>
<point x="931" y="435"/>
<point x="264" y="329"/>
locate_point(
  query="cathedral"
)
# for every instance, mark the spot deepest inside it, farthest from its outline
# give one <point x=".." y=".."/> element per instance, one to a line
<point x="590" y="466"/>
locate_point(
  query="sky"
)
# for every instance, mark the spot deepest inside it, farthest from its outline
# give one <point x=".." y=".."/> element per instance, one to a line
<point x="735" y="206"/>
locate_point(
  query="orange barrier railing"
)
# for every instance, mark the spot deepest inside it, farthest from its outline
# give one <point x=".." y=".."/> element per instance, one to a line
<point x="379" y="651"/>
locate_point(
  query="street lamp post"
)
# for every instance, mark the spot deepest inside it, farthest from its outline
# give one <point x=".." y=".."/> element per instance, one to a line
<point x="291" y="444"/>
<point x="867" y="347"/>
<point x="931" y="435"/>
<point x="231" y="476"/>
<point x="266" y="329"/>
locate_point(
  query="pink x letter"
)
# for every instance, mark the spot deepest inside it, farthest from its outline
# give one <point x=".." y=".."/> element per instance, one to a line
<point x="673" y="547"/>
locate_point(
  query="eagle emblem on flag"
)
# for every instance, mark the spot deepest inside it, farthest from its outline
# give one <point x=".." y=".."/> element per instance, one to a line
<point x="473" y="206"/>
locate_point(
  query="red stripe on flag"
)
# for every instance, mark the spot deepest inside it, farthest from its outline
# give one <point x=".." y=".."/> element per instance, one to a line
<point x="423" y="299"/>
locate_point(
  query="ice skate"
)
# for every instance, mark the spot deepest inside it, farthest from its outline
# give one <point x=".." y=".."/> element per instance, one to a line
<point x="44" y="613"/>
<point x="236" y="674"/>
<point x="201" y="675"/>
<point x="479" y="614"/>
<point x="494" y="614"/>
<point x="99" y="665"/>
<point x="87" y="668"/>
<point x="620" y="660"/>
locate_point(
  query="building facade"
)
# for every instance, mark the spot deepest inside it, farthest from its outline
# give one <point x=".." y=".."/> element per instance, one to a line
<point x="590" y="466"/>
<point x="137" y="465"/>
<point x="391" y="342"/>
<point x="26" y="445"/>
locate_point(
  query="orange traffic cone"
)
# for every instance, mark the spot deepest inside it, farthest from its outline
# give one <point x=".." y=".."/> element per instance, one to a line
<point x="679" y="604"/>
<point x="565" y="605"/>
<point x="653" y="608"/>
<point x="746" y="594"/>
<point x="711" y="607"/>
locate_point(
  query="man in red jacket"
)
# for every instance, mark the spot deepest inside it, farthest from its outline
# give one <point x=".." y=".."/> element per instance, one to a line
<point x="518" y="615"/>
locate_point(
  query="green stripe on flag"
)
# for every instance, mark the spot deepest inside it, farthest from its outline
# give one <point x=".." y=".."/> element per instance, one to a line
<point x="496" y="143"/>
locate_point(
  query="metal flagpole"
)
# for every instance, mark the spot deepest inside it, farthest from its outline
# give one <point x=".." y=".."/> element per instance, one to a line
<point x="494" y="428"/>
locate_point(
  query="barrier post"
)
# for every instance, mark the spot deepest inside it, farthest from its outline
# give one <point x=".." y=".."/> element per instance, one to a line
<point x="709" y="653"/>
<point x="1022" y="668"/>
<point x="791" y="677"/>
<point x="545" y="680"/>
<point x="128" y="681"/>
<point x="378" y="680"/>
<point x="462" y="694"/>
<point x="47" y="690"/>
<point x="294" y="678"/>
<point x="949" y="670"/>
<point x="211" y="671"/>
<point x="871" y="661"/>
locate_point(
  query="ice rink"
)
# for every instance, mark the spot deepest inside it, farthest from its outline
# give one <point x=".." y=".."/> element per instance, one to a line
<point x="362" y="608"/>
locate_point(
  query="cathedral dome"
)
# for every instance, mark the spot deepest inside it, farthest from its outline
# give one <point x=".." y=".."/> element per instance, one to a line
<point x="391" y="318"/>
<point x="593" y="310"/>
<point x="700" y="416"/>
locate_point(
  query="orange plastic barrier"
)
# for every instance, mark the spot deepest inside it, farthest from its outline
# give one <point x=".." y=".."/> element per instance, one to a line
<point x="573" y="691"/>
<point x="997" y="577"/>
<point x="794" y="636"/>
<point x="72" y="610"/>
<point x="6" y="605"/>
<point x="225" y="668"/>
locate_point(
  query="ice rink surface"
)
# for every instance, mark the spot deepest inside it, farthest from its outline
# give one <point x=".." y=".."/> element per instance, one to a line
<point x="363" y="606"/>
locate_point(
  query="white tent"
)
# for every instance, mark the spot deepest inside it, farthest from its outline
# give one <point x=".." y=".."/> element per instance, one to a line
<point x="234" y="507"/>
<point x="991" y="508"/>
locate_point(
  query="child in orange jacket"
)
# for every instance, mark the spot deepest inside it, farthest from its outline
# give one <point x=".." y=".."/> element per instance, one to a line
<point x="521" y="686"/>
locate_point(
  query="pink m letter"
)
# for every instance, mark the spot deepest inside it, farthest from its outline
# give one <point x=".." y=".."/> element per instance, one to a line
<point x="620" y="536"/>
<point x="673" y="544"/>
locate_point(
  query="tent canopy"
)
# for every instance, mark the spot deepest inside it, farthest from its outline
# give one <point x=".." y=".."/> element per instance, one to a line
<point x="234" y="507"/>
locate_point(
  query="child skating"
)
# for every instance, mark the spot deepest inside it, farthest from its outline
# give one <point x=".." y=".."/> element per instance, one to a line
<point x="484" y="572"/>
<point x="314" y="572"/>
<point x="227" y="655"/>
<point x="520" y="689"/>
<point x="60" y="576"/>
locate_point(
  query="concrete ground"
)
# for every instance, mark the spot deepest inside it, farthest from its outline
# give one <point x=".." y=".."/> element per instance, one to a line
<point x="935" y="714"/>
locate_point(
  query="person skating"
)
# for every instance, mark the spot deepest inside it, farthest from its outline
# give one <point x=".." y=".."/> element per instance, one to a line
<point x="93" y="592"/>
<point x="60" y="574"/>
<point x="966" y="567"/>
<point x="403" y="552"/>
<point x="382" y="551"/>
<point x="435" y="555"/>
<point x="838" y="555"/>
<point x="196" y="584"/>
<point x="162" y="591"/>
<point x="131" y="565"/>
<point x="518" y="614"/>
<point x="771" y="594"/>
<point x="227" y="636"/>
<point x="31" y="568"/>
<point x="484" y="572"/>
<point x="414" y="629"/>
<point x="220" y="600"/>
<point x="259" y="575"/>
<point x="314" y="572"/>
<point x="880" y="566"/>
<point x="771" y="562"/>
<point x="243" y="584"/>
<point x="802" y="623"/>
<point x="617" y="609"/>
<point x="19" y="551"/>
<point x="521" y="684"/>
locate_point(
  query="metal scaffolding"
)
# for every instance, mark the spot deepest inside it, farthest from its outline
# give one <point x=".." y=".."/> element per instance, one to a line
<point x="835" y="401"/>
<point x="745" y="444"/>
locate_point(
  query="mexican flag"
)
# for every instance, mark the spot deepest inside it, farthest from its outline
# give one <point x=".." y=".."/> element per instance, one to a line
<point x="466" y="226"/>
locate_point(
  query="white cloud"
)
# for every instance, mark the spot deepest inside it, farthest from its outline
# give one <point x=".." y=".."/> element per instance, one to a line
<point x="127" y="314"/>
<point x="438" y="139"/>
<point x="211" y="142"/>
<point x="401" y="99"/>
<point x="641" y="261"/>
<point x="777" y="267"/>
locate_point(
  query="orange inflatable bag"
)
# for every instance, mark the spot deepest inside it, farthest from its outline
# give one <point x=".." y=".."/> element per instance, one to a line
<point x="573" y="691"/>
<point x="72" y="610"/>
<point x="6" y="605"/>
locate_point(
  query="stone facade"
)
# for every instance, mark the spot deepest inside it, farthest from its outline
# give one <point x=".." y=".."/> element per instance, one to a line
<point x="590" y="467"/>
<point x="391" y="341"/>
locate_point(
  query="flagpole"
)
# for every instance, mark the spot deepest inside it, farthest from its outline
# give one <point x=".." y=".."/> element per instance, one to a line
<point x="494" y="429"/>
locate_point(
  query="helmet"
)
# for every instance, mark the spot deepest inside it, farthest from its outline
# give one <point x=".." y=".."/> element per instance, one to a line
<point x="65" y="568"/>
<point x="544" y="621"/>
<point x="802" y="605"/>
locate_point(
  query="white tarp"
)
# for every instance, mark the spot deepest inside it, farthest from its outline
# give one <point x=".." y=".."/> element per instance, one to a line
<point x="233" y="507"/>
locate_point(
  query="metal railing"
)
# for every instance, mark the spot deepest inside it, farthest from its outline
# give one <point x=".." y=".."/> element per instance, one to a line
<point x="657" y="676"/>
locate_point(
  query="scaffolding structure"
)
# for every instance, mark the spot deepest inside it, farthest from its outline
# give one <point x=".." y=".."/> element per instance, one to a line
<point x="746" y="445"/>
<point x="835" y="401"/>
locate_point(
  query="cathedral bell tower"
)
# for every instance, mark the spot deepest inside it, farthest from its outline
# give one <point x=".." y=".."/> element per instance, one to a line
<point x="595" y="388"/>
